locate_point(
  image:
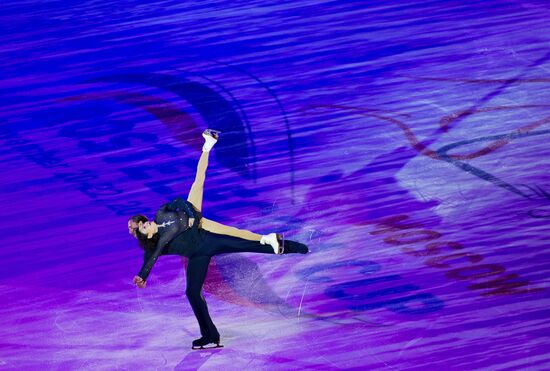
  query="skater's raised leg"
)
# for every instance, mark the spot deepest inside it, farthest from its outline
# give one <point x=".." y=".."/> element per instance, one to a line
<point x="219" y="228"/>
<point x="195" y="194"/>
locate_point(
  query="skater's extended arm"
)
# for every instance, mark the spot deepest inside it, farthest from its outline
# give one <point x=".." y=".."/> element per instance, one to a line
<point x="140" y="282"/>
<point x="146" y="256"/>
<point x="150" y="258"/>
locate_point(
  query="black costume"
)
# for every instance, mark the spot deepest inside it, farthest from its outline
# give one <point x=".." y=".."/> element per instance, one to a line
<point x="199" y="245"/>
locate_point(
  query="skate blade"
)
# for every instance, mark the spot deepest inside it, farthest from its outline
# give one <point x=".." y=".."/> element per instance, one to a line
<point x="213" y="133"/>
<point x="281" y="240"/>
<point x="213" y="346"/>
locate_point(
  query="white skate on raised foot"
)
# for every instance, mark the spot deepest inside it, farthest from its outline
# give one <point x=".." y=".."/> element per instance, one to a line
<point x="275" y="240"/>
<point x="210" y="138"/>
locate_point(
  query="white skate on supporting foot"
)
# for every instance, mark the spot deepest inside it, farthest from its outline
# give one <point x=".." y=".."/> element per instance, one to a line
<point x="272" y="239"/>
<point x="210" y="138"/>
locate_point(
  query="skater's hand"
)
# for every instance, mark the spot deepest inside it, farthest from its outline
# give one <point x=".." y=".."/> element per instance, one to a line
<point x="139" y="282"/>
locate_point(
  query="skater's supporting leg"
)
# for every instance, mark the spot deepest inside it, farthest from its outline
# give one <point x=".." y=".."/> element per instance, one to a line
<point x="195" y="195"/>
<point x="219" y="228"/>
<point x="196" y="273"/>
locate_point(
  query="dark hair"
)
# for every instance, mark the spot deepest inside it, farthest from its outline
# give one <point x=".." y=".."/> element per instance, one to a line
<point x="147" y="244"/>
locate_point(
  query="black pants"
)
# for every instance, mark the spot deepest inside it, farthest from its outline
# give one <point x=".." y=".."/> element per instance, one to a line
<point x="211" y="244"/>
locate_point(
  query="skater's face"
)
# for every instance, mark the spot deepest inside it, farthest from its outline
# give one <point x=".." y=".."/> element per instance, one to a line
<point x="132" y="227"/>
<point x="148" y="228"/>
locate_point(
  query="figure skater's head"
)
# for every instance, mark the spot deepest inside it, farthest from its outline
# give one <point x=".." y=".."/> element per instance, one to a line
<point x="133" y="223"/>
<point x="144" y="231"/>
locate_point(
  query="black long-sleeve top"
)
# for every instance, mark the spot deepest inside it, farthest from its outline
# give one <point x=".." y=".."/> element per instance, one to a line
<point x="172" y="219"/>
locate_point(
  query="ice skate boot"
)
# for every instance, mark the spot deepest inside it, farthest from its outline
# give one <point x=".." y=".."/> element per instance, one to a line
<point x="273" y="240"/>
<point x="293" y="247"/>
<point x="281" y="241"/>
<point x="210" y="138"/>
<point x="205" y="343"/>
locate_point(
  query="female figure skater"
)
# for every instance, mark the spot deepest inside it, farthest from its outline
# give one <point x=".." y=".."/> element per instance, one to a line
<point x="180" y="229"/>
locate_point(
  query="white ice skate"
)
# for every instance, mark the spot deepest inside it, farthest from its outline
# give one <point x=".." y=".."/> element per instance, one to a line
<point x="210" y="138"/>
<point x="276" y="241"/>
